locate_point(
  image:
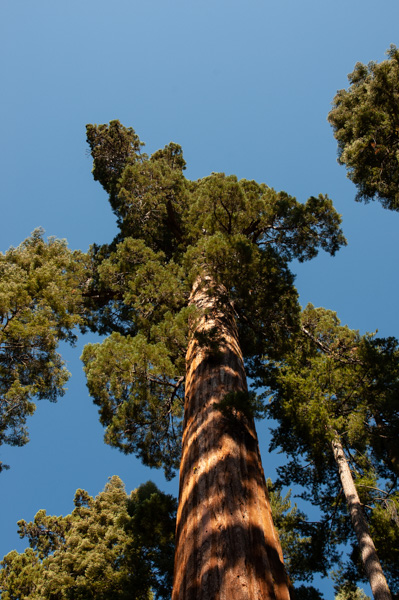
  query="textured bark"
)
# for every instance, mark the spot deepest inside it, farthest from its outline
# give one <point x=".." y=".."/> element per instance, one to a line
<point x="226" y="544"/>
<point x="368" y="553"/>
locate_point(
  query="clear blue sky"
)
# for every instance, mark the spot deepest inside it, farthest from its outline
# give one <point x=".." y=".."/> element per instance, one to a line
<point x="245" y="88"/>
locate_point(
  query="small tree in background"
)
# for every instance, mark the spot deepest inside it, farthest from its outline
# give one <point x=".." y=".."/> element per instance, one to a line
<point x="350" y="592"/>
<point x="305" y="544"/>
<point x="335" y="399"/>
<point x="113" y="547"/>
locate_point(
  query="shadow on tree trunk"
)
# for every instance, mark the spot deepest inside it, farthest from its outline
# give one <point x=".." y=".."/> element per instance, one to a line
<point x="227" y="546"/>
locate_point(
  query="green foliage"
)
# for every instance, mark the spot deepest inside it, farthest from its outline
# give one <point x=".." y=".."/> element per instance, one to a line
<point x="153" y="522"/>
<point x="304" y="543"/>
<point x="335" y="382"/>
<point x="246" y="403"/>
<point x="110" y="547"/>
<point x="40" y="304"/>
<point x="113" y="147"/>
<point x="172" y="231"/>
<point x="222" y="204"/>
<point x="46" y="534"/>
<point x="154" y="192"/>
<point x="365" y="119"/>
<point x="20" y="575"/>
<point x="265" y="300"/>
<point x="349" y="591"/>
<point x="384" y="529"/>
<point x="380" y="359"/>
<point x="140" y="397"/>
<point x="305" y="592"/>
<point x="148" y="287"/>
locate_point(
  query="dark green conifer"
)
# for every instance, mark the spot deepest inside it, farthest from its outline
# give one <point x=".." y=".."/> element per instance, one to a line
<point x="304" y="543"/>
<point x="365" y="119"/>
<point x="243" y="234"/>
<point x="335" y="399"/>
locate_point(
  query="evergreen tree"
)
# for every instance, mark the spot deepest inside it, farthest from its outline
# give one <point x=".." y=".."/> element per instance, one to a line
<point x="40" y="304"/>
<point x="350" y="592"/>
<point x="304" y="543"/>
<point x="110" y="547"/>
<point x="196" y="283"/>
<point x="365" y="119"/>
<point x="335" y="399"/>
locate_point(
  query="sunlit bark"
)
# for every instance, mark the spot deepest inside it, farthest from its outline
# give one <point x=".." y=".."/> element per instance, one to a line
<point x="368" y="553"/>
<point x="227" y="547"/>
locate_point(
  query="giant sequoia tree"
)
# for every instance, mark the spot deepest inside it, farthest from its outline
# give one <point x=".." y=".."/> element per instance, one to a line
<point x="195" y="286"/>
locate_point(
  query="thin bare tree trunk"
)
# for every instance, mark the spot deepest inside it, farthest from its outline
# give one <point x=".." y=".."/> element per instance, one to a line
<point x="226" y="544"/>
<point x="371" y="563"/>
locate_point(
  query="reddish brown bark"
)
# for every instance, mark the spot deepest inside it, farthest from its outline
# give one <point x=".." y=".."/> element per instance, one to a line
<point x="226" y="544"/>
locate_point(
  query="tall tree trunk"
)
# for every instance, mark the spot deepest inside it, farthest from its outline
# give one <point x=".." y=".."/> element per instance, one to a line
<point x="368" y="553"/>
<point x="226" y="544"/>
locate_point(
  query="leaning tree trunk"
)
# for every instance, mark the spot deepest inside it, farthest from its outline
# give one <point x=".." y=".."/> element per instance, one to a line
<point x="368" y="553"/>
<point x="226" y="544"/>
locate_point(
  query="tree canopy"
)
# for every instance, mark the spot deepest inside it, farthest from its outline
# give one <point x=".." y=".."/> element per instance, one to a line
<point x="40" y="305"/>
<point x="241" y="233"/>
<point x="113" y="546"/>
<point x="336" y="384"/>
<point x="238" y="234"/>
<point x="365" y="119"/>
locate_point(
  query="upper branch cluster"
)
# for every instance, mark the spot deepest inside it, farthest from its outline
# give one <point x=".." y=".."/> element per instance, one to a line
<point x="172" y="231"/>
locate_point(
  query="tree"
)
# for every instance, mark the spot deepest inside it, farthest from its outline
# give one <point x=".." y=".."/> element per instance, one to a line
<point x="196" y="283"/>
<point x="304" y="543"/>
<point x="365" y="119"/>
<point x="40" y="305"/>
<point x="349" y="592"/>
<point x="335" y="402"/>
<point x="111" y="547"/>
